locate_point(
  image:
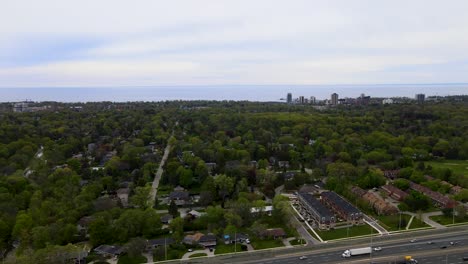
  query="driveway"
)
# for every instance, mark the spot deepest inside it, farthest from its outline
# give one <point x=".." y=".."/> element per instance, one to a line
<point x="206" y="251"/>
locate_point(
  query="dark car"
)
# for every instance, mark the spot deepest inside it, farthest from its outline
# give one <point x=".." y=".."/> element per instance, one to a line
<point x="465" y="258"/>
<point x="442" y="247"/>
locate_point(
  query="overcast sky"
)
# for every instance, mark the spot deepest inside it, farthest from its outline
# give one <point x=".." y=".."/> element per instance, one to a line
<point x="198" y="42"/>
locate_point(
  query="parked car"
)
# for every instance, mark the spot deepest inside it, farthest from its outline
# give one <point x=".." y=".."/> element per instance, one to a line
<point x="190" y="250"/>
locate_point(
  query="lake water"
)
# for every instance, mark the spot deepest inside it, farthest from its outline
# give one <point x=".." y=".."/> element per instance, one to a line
<point x="224" y="92"/>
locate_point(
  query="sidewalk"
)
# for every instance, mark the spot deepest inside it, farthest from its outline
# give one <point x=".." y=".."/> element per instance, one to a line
<point x="428" y="221"/>
<point x="187" y="255"/>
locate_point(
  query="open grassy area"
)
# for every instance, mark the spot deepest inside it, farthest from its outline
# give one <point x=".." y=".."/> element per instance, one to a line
<point x="418" y="224"/>
<point x="125" y="259"/>
<point x="361" y="230"/>
<point x="263" y="244"/>
<point x="198" y="255"/>
<point x="223" y="248"/>
<point x="448" y="220"/>
<point x="272" y="222"/>
<point x="391" y="222"/>
<point x="458" y="167"/>
<point x="297" y="242"/>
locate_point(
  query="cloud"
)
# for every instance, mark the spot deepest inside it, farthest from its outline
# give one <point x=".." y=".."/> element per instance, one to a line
<point x="53" y="42"/>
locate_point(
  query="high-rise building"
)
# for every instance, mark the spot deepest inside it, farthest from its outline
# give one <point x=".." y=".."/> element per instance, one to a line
<point x="301" y="99"/>
<point x="420" y="98"/>
<point x="334" y="99"/>
<point x="312" y="100"/>
<point x="289" y="98"/>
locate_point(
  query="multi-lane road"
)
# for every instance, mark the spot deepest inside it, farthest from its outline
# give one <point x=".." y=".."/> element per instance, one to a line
<point x="394" y="248"/>
<point x="427" y="250"/>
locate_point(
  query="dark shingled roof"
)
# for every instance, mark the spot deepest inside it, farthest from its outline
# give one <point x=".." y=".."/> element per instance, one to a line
<point x="342" y="203"/>
<point x="318" y="206"/>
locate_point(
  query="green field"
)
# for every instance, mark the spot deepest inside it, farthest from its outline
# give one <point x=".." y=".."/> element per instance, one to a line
<point x="223" y="248"/>
<point x="297" y="242"/>
<point x="361" y="230"/>
<point x="458" y="167"/>
<point x="418" y="224"/>
<point x="198" y="255"/>
<point x="125" y="259"/>
<point x="263" y="244"/>
<point x="448" y="220"/>
<point x="391" y="222"/>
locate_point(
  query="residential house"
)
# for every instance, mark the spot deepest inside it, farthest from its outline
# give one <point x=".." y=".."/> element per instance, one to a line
<point x="314" y="210"/>
<point x="275" y="233"/>
<point x="208" y="241"/>
<point x="256" y="211"/>
<point x="180" y="197"/>
<point x="342" y="208"/>
<point x="155" y="243"/>
<point x="380" y="206"/>
<point x="109" y="250"/>
<point x="391" y="174"/>
<point x="83" y="225"/>
<point x="166" y="219"/>
<point x="192" y="239"/>
<point x="436" y="197"/>
<point x="394" y="192"/>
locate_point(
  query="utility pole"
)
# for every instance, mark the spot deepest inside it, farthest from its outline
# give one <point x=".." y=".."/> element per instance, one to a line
<point x="453" y="215"/>
<point x="235" y="242"/>
<point x="165" y="248"/>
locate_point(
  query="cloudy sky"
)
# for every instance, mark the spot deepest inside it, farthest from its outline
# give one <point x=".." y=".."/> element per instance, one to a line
<point x="200" y="42"/>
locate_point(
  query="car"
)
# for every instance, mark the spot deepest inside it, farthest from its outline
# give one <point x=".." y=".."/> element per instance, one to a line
<point x="211" y="249"/>
<point x="377" y="249"/>
<point x="302" y="257"/>
<point x="247" y="241"/>
<point x="453" y="243"/>
<point x="190" y="250"/>
<point x="442" y="247"/>
<point x="412" y="240"/>
<point x="465" y="258"/>
<point x="430" y="243"/>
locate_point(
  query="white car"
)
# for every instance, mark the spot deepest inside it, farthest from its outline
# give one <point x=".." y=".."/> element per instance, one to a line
<point x="302" y="257"/>
<point x="190" y="250"/>
<point x="377" y="249"/>
<point x="412" y="240"/>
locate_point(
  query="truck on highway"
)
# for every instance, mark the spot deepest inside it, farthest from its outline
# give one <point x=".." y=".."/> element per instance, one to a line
<point x="407" y="260"/>
<point x="356" y="252"/>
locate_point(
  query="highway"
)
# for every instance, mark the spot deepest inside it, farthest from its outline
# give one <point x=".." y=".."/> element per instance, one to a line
<point x="394" y="247"/>
<point x="421" y="250"/>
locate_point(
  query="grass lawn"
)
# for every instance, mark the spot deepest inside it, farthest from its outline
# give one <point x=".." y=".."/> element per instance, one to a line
<point x="223" y="248"/>
<point x="361" y="230"/>
<point x="448" y="220"/>
<point x="297" y="242"/>
<point x="125" y="259"/>
<point x="391" y="222"/>
<point x="198" y="255"/>
<point x="418" y="224"/>
<point x="263" y="244"/>
<point x="164" y="189"/>
<point x="459" y="167"/>
<point x="272" y="222"/>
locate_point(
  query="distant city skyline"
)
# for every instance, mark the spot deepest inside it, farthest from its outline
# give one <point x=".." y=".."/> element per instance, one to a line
<point x="226" y="92"/>
<point x="88" y="43"/>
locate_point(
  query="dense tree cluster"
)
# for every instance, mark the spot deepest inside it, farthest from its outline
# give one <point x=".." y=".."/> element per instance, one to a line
<point x="59" y="166"/>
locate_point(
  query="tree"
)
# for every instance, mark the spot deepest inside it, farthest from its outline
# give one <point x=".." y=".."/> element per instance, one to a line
<point x="135" y="247"/>
<point x="177" y="228"/>
<point x="224" y="185"/>
<point x="151" y="223"/>
<point x="173" y="210"/>
<point x="141" y="198"/>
